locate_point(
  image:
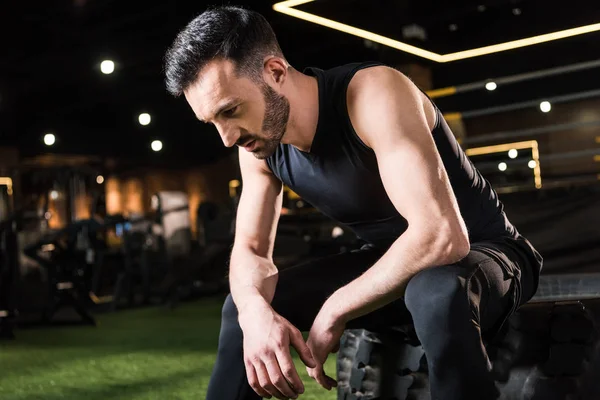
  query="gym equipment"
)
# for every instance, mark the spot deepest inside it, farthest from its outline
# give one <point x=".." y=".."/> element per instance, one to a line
<point x="214" y="224"/>
<point x="173" y="219"/>
<point x="67" y="266"/>
<point x="157" y="250"/>
<point x="205" y="271"/>
<point x="9" y="270"/>
<point x="10" y="276"/>
<point x="8" y="261"/>
<point x="548" y="350"/>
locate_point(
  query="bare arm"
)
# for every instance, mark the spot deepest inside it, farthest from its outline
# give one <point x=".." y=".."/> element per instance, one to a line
<point x="253" y="276"/>
<point x="393" y="118"/>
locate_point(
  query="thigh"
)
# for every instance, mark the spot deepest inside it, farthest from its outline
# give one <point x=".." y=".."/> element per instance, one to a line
<point x="489" y="272"/>
<point x="494" y="285"/>
<point x="487" y="281"/>
<point x="302" y="289"/>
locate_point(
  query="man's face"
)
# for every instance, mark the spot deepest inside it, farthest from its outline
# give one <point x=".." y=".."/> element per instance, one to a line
<point x="247" y="114"/>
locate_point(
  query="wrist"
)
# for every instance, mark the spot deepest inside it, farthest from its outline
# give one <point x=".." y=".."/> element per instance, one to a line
<point x="249" y="306"/>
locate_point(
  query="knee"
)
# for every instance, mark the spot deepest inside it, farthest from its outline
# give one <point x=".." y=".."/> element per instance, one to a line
<point x="435" y="296"/>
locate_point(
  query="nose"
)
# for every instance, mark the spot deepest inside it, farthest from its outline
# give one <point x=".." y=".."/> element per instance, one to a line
<point x="228" y="136"/>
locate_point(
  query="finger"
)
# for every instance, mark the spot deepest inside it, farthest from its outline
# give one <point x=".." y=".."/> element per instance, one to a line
<point x="265" y="382"/>
<point x="289" y="370"/>
<point x="278" y="380"/>
<point x="304" y="352"/>
<point x="325" y="380"/>
<point x="319" y="376"/>
<point x="311" y="372"/>
<point x="254" y="383"/>
<point x="330" y="381"/>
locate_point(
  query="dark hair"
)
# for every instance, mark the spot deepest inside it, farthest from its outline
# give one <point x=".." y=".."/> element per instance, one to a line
<point x="240" y="35"/>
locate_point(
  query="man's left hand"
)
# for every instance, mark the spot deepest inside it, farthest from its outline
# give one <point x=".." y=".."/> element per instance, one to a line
<point x="323" y="339"/>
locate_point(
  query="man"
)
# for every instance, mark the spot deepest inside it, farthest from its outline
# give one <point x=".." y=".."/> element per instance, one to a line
<point x="363" y="145"/>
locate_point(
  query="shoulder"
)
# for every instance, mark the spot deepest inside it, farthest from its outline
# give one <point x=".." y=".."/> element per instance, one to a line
<point x="382" y="94"/>
<point x="250" y="164"/>
<point x="371" y="80"/>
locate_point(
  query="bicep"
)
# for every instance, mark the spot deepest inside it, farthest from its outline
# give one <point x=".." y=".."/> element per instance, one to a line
<point x="396" y="120"/>
<point x="259" y="207"/>
<point x="416" y="182"/>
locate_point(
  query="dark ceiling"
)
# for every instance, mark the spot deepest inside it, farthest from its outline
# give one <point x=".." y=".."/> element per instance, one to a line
<point x="51" y="50"/>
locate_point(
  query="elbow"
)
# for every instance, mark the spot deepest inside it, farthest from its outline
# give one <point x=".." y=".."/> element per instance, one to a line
<point x="459" y="247"/>
<point x="455" y="244"/>
<point x="450" y="243"/>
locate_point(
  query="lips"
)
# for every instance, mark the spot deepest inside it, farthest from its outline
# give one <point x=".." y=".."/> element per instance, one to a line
<point x="250" y="145"/>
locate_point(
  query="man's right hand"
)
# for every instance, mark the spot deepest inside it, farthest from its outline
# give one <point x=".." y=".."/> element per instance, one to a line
<point x="267" y="339"/>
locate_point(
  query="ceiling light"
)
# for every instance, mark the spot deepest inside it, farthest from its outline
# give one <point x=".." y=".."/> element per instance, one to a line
<point x="481" y="8"/>
<point x="513" y="153"/>
<point x="287" y="7"/>
<point x="532" y="164"/>
<point x="545" y="106"/>
<point x="144" y="119"/>
<point x="502" y="166"/>
<point x="453" y="27"/>
<point x="516" y="11"/>
<point x="107" y="67"/>
<point x="49" y="139"/>
<point x="336" y="232"/>
<point x="491" y="86"/>
<point x="54" y="195"/>
<point x="99" y="179"/>
<point x="156" y="145"/>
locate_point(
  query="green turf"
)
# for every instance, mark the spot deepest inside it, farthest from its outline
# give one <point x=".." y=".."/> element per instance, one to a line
<point x="152" y="353"/>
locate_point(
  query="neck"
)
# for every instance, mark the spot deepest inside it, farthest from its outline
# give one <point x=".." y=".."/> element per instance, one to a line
<point x="304" y="111"/>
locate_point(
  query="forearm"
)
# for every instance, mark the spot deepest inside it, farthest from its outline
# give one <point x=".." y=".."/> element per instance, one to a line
<point x="387" y="279"/>
<point x="252" y="278"/>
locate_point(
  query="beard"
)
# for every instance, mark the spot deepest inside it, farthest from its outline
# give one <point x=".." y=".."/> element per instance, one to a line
<point x="275" y="121"/>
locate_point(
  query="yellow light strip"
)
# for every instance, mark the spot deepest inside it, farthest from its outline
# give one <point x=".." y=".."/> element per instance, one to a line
<point x="448" y="91"/>
<point x="452" y="116"/>
<point x="537" y="171"/>
<point x="8" y="183"/>
<point x="515" y="44"/>
<point x="287" y="7"/>
<point x="598" y="139"/>
<point x="499" y="148"/>
<point x="597" y="158"/>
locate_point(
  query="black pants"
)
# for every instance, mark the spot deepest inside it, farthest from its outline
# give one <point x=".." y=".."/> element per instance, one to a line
<point x="453" y="308"/>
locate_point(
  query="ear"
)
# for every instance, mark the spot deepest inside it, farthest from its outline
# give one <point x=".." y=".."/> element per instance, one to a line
<point x="275" y="70"/>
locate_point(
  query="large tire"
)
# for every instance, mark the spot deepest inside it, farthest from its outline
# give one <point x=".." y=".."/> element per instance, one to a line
<point x="551" y="351"/>
<point x="389" y="366"/>
<point x="547" y="353"/>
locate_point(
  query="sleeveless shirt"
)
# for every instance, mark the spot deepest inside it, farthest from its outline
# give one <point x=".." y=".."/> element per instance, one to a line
<point x="340" y="176"/>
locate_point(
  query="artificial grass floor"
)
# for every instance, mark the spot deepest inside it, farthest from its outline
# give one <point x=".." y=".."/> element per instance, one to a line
<point x="151" y="353"/>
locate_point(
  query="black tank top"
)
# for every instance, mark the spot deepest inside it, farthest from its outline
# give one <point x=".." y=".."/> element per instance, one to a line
<point x="340" y="176"/>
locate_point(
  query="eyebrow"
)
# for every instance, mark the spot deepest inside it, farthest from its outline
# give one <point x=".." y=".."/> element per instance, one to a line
<point x="228" y="104"/>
